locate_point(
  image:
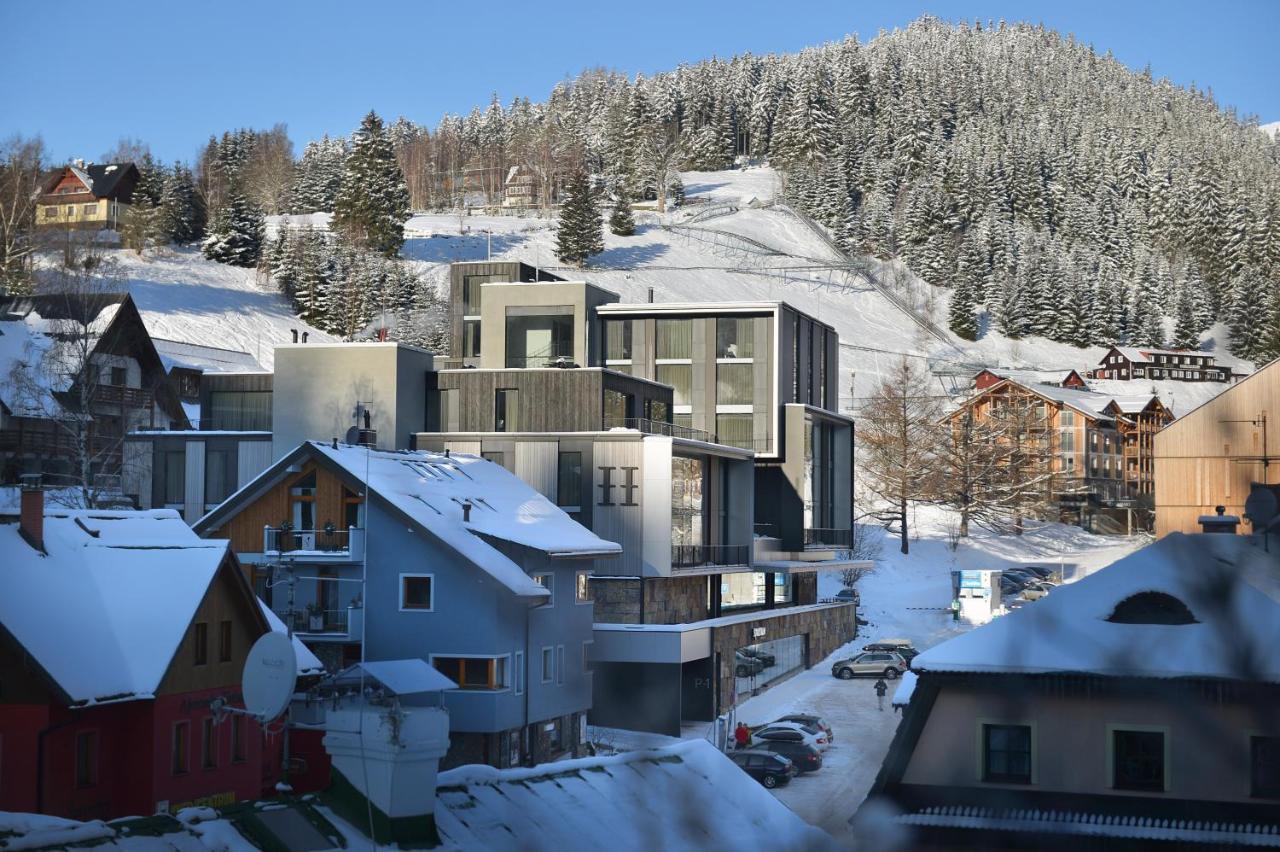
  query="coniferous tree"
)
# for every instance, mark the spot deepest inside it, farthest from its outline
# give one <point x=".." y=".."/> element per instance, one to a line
<point x="143" y="224"/>
<point x="962" y="314"/>
<point x="1186" y="327"/>
<point x="373" y="203"/>
<point x="1253" y="299"/>
<point x="621" y="221"/>
<point x="578" y="233"/>
<point x="237" y="234"/>
<point x="182" y="216"/>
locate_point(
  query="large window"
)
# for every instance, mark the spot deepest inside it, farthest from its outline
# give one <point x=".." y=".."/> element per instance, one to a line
<point x="240" y="410"/>
<point x="180" y="753"/>
<point x="569" y="481"/>
<point x="582" y="587"/>
<point x="619" y="408"/>
<point x="173" y="475"/>
<point x="471" y="339"/>
<point x="675" y="338"/>
<point x="472" y="291"/>
<point x="617" y="340"/>
<point x="417" y="593"/>
<point x="237" y="739"/>
<point x="219" y="475"/>
<point x="539" y="339"/>
<point x="450" y="410"/>
<point x="688" y="524"/>
<point x="735" y="430"/>
<point x="680" y="377"/>
<point x="1138" y="760"/>
<point x="224" y="641"/>
<point x="735" y="337"/>
<point x="474" y="673"/>
<point x="200" y="643"/>
<point x="734" y="384"/>
<point x="208" y="744"/>
<point x="1264" y="761"/>
<point x="1006" y="754"/>
<point x="506" y="410"/>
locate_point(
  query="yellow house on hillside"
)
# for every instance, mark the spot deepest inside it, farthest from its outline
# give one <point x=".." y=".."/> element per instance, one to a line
<point x="87" y="196"/>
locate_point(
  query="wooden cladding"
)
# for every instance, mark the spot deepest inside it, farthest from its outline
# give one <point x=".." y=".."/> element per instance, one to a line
<point x="273" y="508"/>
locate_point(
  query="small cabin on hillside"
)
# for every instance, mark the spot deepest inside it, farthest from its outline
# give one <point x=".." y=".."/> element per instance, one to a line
<point x="92" y="196"/>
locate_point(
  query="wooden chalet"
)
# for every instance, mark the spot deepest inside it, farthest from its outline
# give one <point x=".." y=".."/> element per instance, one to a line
<point x="91" y="196"/>
<point x="1127" y="363"/>
<point x="1071" y="379"/>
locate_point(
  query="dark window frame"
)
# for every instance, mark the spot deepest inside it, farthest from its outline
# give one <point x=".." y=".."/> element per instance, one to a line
<point x="1264" y="760"/>
<point x="225" y="641"/>
<point x="1131" y="771"/>
<point x="1008" y="752"/>
<point x="86" y="759"/>
<point x="200" y="643"/>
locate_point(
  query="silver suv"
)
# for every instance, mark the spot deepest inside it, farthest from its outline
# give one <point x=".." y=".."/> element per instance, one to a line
<point x="886" y="664"/>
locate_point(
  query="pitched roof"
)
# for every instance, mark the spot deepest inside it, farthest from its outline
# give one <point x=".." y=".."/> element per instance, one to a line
<point x="1230" y="586"/>
<point x="681" y="797"/>
<point x="1142" y="355"/>
<point x="207" y="359"/>
<point x="106" y="177"/>
<point x="429" y="489"/>
<point x="103" y="610"/>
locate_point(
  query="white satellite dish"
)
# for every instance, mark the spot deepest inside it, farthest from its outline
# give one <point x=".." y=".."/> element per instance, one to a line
<point x="270" y="674"/>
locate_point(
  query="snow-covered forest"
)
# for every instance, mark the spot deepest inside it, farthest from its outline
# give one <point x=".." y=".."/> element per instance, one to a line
<point x="1057" y="191"/>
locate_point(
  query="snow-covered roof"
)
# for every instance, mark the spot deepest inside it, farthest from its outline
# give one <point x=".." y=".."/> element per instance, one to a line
<point x="308" y="663"/>
<point x="400" y="677"/>
<point x="430" y="490"/>
<point x="104" y="611"/>
<point x="686" y="796"/>
<point x="1230" y="586"/>
<point x="1142" y="355"/>
<point x="208" y="359"/>
<point x="906" y="688"/>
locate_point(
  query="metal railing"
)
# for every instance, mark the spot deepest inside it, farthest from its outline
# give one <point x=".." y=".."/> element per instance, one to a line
<point x="828" y="536"/>
<point x="658" y="427"/>
<point x="515" y="362"/>
<point x="759" y="445"/>
<point x="695" y="555"/>
<point x="324" y="621"/>
<point x="770" y="530"/>
<point x="322" y="543"/>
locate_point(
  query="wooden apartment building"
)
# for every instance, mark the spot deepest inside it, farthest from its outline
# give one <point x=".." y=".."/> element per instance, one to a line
<point x="1128" y="362"/>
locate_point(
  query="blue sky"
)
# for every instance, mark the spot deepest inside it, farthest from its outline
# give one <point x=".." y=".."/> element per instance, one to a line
<point x="172" y="73"/>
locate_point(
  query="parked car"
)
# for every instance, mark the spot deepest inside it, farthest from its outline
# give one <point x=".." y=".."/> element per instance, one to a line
<point x="901" y="647"/>
<point x="1042" y="571"/>
<point x="790" y="732"/>
<point x="766" y="767"/>
<point x="1023" y="575"/>
<point x="766" y="659"/>
<point x="1035" y="591"/>
<point x="805" y="757"/>
<point x="846" y="596"/>
<point x="810" y="720"/>
<point x="1009" y="587"/>
<point x="886" y="664"/>
<point x="746" y="666"/>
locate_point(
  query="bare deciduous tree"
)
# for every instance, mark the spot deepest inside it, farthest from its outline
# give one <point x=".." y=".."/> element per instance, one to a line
<point x="899" y="435"/>
<point x="21" y="163"/>
<point x="268" y="174"/>
<point x="661" y="154"/>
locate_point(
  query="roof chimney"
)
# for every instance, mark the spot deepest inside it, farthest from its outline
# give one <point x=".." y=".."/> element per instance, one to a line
<point x="294" y="332"/>
<point x="304" y="336"/>
<point x="1220" y="522"/>
<point x="466" y="511"/>
<point x="31" y="511"/>
<point x="651" y="295"/>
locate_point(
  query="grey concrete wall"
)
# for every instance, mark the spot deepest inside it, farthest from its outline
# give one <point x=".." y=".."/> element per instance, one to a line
<point x="317" y="387"/>
<point x="582" y="297"/>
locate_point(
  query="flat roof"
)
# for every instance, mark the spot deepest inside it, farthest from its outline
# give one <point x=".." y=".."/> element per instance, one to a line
<point x="705" y="308"/>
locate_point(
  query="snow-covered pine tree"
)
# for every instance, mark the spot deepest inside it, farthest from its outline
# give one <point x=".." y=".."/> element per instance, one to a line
<point x="621" y="221"/>
<point x="1252" y="299"/>
<point x="373" y="203"/>
<point x="237" y="235"/>
<point x="1146" y="326"/>
<point x="143" y="224"/>
<point x="1186" y="327"/>
<point x="182" y="214"/>
<point x="578" y="232"/>
<point x="962" y="314"/>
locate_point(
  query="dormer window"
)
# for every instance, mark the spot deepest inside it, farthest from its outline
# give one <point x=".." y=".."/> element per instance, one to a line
<point x="1151" y="608"/>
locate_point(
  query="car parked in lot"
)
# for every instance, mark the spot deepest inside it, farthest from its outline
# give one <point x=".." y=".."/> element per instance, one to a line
<point x="745" y="665"/>
<point x="790" y="732"/>
<point x="805" y="757"/>
<point x="1041" y="571"/>
<point x="810" y="720"/>
<point x="768" y="768"/>
<point x="886" y="664"/>
<point x="1011" y="587"/>
<point x="1035" y="591"/>
<point x="901" y="647"/>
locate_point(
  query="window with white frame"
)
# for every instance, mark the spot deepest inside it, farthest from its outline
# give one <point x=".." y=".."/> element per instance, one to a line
<point x="582" y="587"/>
<point x="417" y="592"/>
<point x="548" y="582"/>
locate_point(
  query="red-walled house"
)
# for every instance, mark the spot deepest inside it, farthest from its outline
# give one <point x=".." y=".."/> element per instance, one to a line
<point x="117" y="630"/>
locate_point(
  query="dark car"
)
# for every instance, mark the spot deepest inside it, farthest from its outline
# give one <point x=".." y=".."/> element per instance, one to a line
<point x="766" y="767"/>
<point x="1023" y="575"/>
<point x="1041" y="571"/>
<point x="745" y="665"/>
<point x="809" y="720"/>
<point x="805" y="757"/>
<point x="846" y="596"/>
<point x="766" y="659"/>
<point x="902" y="647"/>
<point x="1010" y="586"/>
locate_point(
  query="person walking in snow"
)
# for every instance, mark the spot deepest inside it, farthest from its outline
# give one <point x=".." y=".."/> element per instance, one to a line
<point x="881" y="689"/>
<point x="741" y="736"/>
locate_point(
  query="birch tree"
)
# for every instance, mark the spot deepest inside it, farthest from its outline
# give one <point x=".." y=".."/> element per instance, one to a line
<point x="21" y="161"/>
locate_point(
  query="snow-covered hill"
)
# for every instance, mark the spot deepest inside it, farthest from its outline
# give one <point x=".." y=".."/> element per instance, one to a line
<point x="1273" y="129"/>
<point x="735" y="241"/>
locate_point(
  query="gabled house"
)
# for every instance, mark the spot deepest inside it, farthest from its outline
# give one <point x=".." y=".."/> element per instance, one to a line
<point x="987" y="377"/>
<point x="117" y="630"/>
<point x="1134" y="708"/>
<point x="1184" y="365"/>
<point x="77" y="373"/>
<point x="464" y="566"/>
<point x="96" y="195"/>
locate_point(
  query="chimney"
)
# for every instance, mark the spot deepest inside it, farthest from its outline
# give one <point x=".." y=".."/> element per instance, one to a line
<point x="466" y="511"/>
<point x="304" y="336"/>
<point x="651" y="295"/>
<point x="294" y="332"/>
<point x="31" y="512"/>
<point x="1220" y="522"/>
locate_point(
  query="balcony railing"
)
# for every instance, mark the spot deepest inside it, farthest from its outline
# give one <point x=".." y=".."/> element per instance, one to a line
<point x="517" y="362"/>
<point x="828" y="537"/>
<point x="658" y="427"/>
<point x="325" y="545"/>
<point x="345" y="623"/>
<point x="117" y="395"/>
<point x="696" y="555"/>
<point x="759" y="445"/>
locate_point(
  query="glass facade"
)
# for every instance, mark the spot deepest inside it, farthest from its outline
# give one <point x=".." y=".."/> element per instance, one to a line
<point x="675" y="338"/>
<point x="680" y="377"/>
<point x="759" y="665"/>
<point x="538" y="340"/>
<point x="617" y="340"/>
<point x="240" y="411"/>
<point x="569" y="480"/>
<point x="619" y="407"/>
<point x="735" y="337"/>
<point x="688" y="509"/>
<point x="734" y="384"/>
<point x="735" y="430"/>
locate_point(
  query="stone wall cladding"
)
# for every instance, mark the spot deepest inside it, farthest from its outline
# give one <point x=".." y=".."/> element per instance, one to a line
<point x="828" y="628"/>
<point x="616" y="599"/>
<point x="675" y="600"/>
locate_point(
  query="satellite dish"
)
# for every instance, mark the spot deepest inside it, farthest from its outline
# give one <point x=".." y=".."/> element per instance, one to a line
<point x="270" y="674"/>
<point x="1261" y="507"/>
